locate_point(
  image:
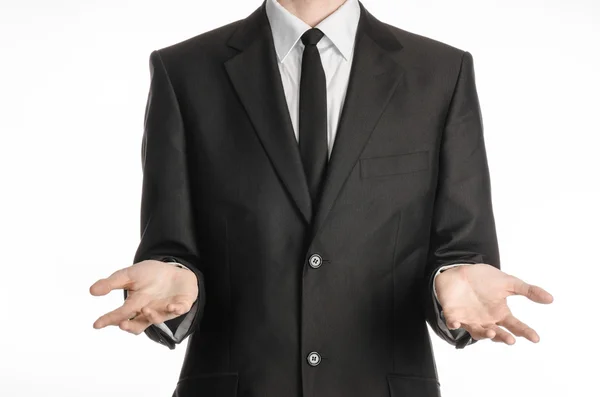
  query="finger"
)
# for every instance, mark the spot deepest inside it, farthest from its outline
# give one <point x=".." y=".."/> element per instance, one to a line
<point x="146" y="318"/>
<point x="155" y="317"/>
<point x="454" y="317"/>
<point x="135" y="326"/>
<point x="130" y="308"/>
<point x="118" y="279"/>
<point x="533" y="292"/>
<point x="178" y="308"/>
<point x="519" y="328"/>
<point x="452" y="324"/>
<point x="478" y="332"/>
<point x="174" y="306"/>
<point x="502" y="335"/>
<point x="452" y="320"/>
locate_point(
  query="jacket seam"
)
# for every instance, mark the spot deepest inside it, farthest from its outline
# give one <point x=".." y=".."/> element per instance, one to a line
<point x="394" y="290"/>
<point x="451" y="101"/>
<point x="171" y="87"/>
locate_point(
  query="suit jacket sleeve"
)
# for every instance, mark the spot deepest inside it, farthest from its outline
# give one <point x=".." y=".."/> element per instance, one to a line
<point x="167" y="220"/>
<point x="463" y="228"/>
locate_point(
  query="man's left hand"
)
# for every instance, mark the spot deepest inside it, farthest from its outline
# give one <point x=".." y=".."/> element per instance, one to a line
<point x="473" y="297"/>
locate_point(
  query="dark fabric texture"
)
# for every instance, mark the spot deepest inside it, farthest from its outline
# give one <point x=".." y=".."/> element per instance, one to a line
<point x="406" y="190"/>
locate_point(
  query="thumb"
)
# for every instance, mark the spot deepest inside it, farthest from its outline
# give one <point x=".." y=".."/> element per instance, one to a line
<point x="119" y="279"/>
<point x="174" y="305"/>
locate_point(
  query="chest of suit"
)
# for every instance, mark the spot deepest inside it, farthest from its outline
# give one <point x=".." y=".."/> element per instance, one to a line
<point x="267" y="306"/>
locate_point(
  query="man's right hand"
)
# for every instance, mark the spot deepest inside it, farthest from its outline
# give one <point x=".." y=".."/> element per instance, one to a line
<point x="157" y="292"/>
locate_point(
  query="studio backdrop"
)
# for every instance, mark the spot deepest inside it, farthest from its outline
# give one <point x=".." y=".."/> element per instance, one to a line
<point x="74" y="78"/>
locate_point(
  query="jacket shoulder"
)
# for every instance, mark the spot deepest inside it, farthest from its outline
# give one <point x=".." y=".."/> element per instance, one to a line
<point x="426" y="49"/>
<point x="206" y="46"/>
<point x="420" y="43"/>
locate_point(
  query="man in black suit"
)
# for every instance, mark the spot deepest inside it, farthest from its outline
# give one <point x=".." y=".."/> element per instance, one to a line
<point x="316" y="190"/>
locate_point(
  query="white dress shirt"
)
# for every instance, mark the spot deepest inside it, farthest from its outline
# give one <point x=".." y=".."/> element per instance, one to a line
<point x="336" y="49"/>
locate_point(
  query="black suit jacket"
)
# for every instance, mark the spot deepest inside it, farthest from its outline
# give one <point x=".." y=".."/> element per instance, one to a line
<point x="407" y="190"/>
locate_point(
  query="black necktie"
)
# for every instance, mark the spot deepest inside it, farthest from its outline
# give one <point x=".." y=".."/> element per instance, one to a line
<point x="313" y="114"/>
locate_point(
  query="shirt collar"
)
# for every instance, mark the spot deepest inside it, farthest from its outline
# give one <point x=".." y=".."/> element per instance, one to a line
<point x="339" y="27"/>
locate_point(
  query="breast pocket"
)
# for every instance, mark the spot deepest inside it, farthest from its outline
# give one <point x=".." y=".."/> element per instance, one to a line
<point x="395" y="164"/>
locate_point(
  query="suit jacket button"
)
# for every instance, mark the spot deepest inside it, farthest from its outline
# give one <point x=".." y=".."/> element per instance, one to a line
<point x="315" y="261"/>
<point x="313" y="359"/>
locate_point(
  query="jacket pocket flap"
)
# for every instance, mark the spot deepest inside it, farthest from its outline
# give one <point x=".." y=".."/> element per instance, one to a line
<point x="208" y="385"/>
<point x="413" y="386"/>
<point x="395" y="164"/>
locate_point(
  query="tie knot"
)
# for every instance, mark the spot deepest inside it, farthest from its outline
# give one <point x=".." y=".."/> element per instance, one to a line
<point x="312" y="36"/>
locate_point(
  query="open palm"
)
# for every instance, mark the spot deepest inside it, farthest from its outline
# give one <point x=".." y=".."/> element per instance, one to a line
<point x="473" y="297"/>
<point x="157" y="292"/>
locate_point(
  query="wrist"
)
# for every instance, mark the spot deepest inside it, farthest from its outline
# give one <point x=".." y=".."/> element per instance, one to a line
<point x="443" y="277"/>
<point x="183" y="271"/>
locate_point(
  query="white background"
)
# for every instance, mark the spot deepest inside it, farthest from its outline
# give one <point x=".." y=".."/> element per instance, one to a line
<point x="74" y="77"/>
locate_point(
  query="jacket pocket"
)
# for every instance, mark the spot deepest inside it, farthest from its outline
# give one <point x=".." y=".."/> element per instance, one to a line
<point x="208" y="385"/>
<point x="413" y="386"/>
<point x="395" y="164"/>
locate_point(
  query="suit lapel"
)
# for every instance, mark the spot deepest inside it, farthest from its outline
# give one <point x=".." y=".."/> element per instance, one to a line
<point x="255" y="75"/>
<point x="374" y="77"/>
